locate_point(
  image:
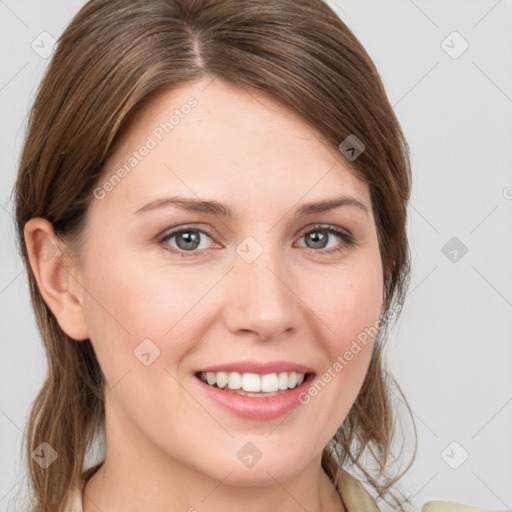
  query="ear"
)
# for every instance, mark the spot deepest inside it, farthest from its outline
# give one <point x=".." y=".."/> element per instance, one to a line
<point x="58" y="282"/>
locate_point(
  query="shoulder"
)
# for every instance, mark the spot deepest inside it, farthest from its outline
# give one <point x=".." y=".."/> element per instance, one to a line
<point x="452" y="506"/>
<point x="356" y="498"/>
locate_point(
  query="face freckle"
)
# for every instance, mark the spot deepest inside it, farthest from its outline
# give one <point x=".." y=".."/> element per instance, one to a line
<point x="273" y="300"/>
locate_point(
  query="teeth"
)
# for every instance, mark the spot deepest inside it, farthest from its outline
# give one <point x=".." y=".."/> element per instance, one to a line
<point x="234" y="380"/>
<point x="282" y="381"/>
<point x="292" y="380"/>
<point x="253" y="382"/>
<point x="269" y="383"/>
<point x="221" y="379"/>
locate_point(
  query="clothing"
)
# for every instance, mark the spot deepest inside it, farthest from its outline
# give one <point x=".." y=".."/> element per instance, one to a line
<point x="355" y="497"/>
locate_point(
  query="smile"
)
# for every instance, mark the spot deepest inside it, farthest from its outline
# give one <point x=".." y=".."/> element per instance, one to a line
<point x="255" y="391"/>
<point x="253" y="384"/>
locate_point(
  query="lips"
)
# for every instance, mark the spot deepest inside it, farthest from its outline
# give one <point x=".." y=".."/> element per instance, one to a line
<point x="256" y="390"/>
<point x="258" y="367"/>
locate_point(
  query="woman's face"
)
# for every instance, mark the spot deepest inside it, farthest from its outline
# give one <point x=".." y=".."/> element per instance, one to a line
<point x="172" y="288"/>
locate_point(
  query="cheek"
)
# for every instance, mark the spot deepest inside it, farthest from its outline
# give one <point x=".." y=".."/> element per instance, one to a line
<point x="350" y="303"/>
<point x="350" y="308"/>
<point x="129" y="303"/>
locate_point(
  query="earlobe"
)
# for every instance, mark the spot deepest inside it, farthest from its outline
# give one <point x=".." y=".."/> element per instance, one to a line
<point x="47" y="256"/>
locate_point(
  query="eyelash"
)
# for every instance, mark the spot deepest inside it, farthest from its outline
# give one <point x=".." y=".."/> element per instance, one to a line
<point x="345" y="236"/>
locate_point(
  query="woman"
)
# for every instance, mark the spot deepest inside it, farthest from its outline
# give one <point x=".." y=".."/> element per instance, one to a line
<point x="211" y="205"/>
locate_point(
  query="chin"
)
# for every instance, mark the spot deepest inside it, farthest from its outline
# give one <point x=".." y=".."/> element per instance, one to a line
<point x="259" y="476"/>
<point x="271" y="465"/>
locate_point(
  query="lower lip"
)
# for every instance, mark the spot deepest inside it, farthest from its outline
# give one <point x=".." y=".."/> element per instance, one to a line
<point x="264" y="408"/>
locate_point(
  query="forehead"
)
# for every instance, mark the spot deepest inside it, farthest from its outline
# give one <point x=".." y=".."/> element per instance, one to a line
<point x="212" y="139"/>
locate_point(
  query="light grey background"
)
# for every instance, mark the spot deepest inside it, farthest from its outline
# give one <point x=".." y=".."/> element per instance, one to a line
<point x="451" y="350"/>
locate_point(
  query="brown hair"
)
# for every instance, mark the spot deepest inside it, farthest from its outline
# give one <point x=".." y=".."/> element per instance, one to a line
<point x="116" y="55"/>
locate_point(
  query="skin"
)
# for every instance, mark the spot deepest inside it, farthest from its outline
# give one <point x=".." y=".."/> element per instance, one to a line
<point x="168" y="447"/>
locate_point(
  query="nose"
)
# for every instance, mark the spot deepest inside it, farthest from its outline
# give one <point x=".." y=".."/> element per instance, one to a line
<point x="259" y="298"/>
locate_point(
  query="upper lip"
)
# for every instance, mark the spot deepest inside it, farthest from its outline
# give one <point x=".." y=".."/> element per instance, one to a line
<point x="258" y="367"/>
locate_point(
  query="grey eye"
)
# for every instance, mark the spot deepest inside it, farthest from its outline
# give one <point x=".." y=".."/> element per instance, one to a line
<point x="317" y="240"/>
<point x="186" y="239"/>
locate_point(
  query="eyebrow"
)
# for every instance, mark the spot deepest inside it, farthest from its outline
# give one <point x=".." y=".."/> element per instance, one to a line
<point x="216" y="208"/>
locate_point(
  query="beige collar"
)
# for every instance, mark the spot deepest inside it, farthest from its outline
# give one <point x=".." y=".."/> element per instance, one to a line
<point x="355" y="497"/>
